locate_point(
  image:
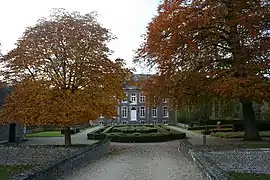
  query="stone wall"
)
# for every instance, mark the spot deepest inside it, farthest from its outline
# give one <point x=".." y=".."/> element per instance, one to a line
<point x="59" y="167"/>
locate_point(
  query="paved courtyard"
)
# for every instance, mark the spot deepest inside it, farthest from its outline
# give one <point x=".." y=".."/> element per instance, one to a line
<point x="152" y="161"/>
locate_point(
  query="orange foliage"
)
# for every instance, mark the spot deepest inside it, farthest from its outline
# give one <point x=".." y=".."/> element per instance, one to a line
<point x="208" y="49"/>
<point x="61" y="74"/>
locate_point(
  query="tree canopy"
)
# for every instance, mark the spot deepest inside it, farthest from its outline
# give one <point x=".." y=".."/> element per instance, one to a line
<point x="61" y="74"/>
<point x="206" y="48"/>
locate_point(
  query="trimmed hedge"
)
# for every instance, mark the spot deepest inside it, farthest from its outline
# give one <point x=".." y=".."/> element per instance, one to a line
<point x="134" y="129"/>
<point x="209" y="127"/>
<point x="223" y="121"/>
<point x="262" y="126"/>
<point x="158" y="134"/>
<point x="72" y="131"/>
<point x="143" y="138"/>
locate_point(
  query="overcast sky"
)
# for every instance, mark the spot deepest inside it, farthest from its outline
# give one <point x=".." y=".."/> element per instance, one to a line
<point x="127" y="19"/>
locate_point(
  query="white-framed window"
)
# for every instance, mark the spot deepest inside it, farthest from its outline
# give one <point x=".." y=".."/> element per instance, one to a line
<point x="133" y="98"/>
<point x="154" y="122"/>
<point x="124" y="122"/>
<point x="165" y="122"/>
<point x="165" y="100"/>
<point x="142" y="112"/>
<point x="142" y="122"/>
<point x="154" y="112"/>
<point x="165" y="111"/>
<point x="124" y="112"/>
<point x="142" y="98"/>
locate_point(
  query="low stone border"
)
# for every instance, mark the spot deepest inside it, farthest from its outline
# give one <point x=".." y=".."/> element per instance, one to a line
<point x="59" y="167"/>
<point x="209" y="168"/>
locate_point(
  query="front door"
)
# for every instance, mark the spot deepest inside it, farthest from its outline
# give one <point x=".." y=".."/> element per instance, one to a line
<point x="133" y="114"/>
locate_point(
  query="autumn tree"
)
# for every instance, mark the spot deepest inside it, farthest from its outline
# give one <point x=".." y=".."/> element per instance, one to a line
<point x="61" y="74"/>
<point x="206" y="49"/>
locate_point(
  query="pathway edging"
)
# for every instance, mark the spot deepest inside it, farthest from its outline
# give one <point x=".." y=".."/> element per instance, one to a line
<point x="56" y="168"/>
<point x="209" y="168"/>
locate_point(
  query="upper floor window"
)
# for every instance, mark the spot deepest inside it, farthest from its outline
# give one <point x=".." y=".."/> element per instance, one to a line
<point x="165" y="111"/>
<point x="154" y="112"/>
<point x="142" y="98"/>
<point x="124" y="112"/>
<point x="165" y="100"/>
<point x="142" y="111"/>
<point x="133" y="98"/>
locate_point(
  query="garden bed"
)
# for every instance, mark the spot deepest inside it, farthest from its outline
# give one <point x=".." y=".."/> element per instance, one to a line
<point x="137" y="133"/>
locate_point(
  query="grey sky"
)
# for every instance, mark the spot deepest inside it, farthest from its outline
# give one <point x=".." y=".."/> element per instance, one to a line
<point x="127" y="19"/>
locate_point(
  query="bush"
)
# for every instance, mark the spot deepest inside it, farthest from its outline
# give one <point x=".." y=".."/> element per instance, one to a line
<point x="72" y="131"/>
<point x="223" y="121"/>
<point x="96" y="136"/>
<point x="206" y="132"/>
<point x="107" y="129"/>
<point x="140" y="138"/>
<point x="209" y="127"/>
<point x="139" y="134"/>
<point x="262" y="126"/>
<point x="221" y="130"/>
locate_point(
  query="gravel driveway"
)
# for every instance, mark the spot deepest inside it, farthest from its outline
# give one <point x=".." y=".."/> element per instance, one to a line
<point x="152" y="161"/>
<point x="36" y="155"/>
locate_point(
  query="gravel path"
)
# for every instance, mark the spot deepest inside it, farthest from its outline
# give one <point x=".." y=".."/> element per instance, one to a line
<point x="153" y="161"/>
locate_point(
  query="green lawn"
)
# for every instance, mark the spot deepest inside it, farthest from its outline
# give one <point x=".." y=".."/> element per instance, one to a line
<point x="46" y="134"/>
<point x="247" y="176"/>
<point x="237" y="134"/>
<point x="6" y="171"/>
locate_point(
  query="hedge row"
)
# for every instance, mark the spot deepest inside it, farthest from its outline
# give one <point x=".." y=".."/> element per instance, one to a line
<point x="142" y="129"/>
<point x="158" y="137"/>
<point x="72" y="131"/>
<point x="262" y="126"/>
<point x="164" y="135"/>
<point x="209" y="127"/>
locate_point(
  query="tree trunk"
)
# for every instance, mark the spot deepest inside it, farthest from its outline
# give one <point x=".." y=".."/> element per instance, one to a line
<point x="251" y="129"/>
<point x="12" y="133"/>
<point x="67" y="136"/>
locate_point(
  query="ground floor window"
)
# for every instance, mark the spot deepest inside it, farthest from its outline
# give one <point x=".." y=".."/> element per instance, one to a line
<point x="124" y="112"/>
<point x="124" y="122"/>
<point x="165" y="122"/>
<point x="154" y="122"/>
<point x="142" y="122"/>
